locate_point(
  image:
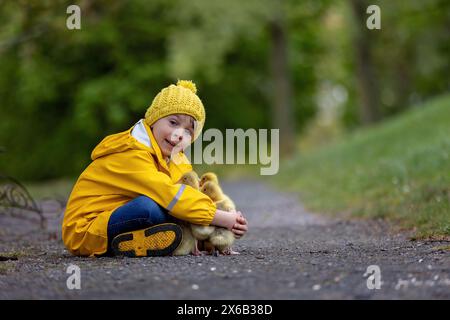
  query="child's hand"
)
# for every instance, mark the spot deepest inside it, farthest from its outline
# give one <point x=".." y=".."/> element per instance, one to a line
<point x="240" y="227"/>
<point x="231" y="220"/>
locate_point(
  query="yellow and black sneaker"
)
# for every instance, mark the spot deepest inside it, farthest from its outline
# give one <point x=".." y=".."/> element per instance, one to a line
<point x="158" y="240"/>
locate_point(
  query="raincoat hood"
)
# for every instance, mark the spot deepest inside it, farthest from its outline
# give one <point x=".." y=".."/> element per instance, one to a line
<point x="140" y="137"/>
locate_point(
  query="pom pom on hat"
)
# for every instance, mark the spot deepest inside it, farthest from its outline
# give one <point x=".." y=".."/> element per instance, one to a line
<point x="188" y="84"/>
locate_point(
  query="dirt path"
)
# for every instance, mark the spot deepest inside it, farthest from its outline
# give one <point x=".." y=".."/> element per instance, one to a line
<point x="287" y="254"/>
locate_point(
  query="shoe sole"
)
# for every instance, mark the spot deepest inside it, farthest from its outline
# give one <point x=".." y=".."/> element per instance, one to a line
<point x="159" y="240"/>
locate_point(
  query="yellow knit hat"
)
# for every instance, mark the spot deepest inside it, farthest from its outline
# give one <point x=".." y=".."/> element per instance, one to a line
<point x="180" y="98"/>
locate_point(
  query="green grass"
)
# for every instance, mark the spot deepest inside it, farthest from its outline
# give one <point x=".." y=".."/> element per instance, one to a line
<point x="399" y="170"/>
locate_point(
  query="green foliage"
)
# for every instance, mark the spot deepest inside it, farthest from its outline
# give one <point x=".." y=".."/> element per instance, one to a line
<point x="398" y="170"/>
<point x="410" y="53"/>
<point x="62" y="91"/>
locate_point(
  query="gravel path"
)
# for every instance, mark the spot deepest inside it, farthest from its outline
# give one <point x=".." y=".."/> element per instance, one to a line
<point x="287" y="254"/>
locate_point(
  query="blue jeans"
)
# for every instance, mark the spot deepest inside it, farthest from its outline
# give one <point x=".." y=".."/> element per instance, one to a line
<point x="141" y="212"/>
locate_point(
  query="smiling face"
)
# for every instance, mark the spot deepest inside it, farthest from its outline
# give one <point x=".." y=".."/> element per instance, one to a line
<point x="173" y="133"/>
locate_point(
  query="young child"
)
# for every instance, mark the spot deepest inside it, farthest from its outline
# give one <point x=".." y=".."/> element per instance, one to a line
<point x="127" y="201"/>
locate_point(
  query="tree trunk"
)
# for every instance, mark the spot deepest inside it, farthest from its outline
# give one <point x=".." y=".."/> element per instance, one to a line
<point x="367" y="82"/>
<point x="283" y="115"/>
<point x="403" y="76"/>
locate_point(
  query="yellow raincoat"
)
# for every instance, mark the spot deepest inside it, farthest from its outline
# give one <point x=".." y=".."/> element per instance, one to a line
<point x="122" y="169"/>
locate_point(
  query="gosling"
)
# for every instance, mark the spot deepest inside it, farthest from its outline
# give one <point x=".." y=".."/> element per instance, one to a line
<point x="221" y="238"/>
<point x="209" y="176"/>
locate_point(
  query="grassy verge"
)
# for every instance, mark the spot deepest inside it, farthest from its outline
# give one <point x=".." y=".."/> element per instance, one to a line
<point x="399" y="170"/>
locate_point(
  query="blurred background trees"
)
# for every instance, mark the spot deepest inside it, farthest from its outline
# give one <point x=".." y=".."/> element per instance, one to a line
<point x="295" y="65"/>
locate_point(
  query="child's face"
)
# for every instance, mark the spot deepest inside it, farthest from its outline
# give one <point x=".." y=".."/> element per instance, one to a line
<point x="173" y="133"/>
